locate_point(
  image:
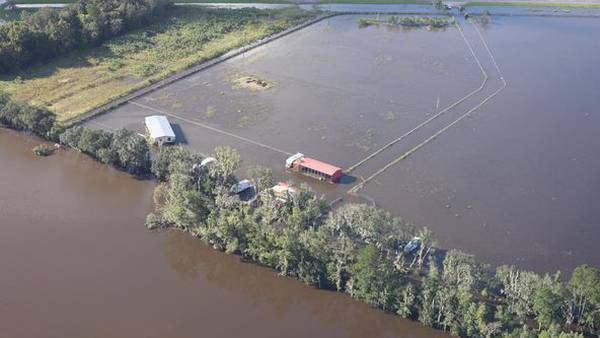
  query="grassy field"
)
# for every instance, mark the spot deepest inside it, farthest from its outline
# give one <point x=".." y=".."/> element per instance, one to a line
<point x="532" y="4"/>
<point x="80" y="81"/>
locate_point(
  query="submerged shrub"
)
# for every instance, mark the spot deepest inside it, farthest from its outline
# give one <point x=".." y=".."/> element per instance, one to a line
<point x="42" y="150"/>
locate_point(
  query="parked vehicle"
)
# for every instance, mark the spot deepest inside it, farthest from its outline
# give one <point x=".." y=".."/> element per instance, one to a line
<point x="412" y="245"/>
<point x="242" y="186"/>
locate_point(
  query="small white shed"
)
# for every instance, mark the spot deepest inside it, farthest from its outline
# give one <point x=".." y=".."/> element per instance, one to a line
<point x="159" y="129"/>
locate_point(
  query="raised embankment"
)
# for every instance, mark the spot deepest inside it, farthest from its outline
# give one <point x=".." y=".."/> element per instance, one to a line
<point x="192" y="70"/>
<point x="210" y="63"/>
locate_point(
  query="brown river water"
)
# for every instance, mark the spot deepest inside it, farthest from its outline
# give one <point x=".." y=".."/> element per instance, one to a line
<point x="76" y="261"/>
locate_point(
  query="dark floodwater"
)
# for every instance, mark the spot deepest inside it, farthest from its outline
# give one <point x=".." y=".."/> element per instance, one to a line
<point x="515" y="183"/>
<point x="519" y="182"/>
<point x="76" y="261"/>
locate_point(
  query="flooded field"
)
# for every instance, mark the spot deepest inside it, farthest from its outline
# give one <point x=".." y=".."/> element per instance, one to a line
<point x="502" y="120"/>
<point x="76" y="261"/>
<point x="336" y="92"/>
<point x="518" y="182"/>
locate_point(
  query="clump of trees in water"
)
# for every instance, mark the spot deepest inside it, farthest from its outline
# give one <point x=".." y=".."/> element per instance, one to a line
<point x="50" y="32"/>
<point x="42" y="150"/>
<point x="123" y="149"/>
<point x="356" y="249"/>
<point x="408" y="21"/>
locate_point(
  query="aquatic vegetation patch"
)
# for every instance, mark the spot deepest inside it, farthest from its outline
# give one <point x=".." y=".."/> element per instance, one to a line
<point x="42" y="150"/>
<point x="408" y="21"/>
<point x="253" y="83"/>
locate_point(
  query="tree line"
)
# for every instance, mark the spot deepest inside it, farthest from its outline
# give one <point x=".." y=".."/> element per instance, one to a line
<point x="122" y="149"/>
<point x="24" y="117"/>
<point x="356" y="249"/>
<point x="50" y="32"/>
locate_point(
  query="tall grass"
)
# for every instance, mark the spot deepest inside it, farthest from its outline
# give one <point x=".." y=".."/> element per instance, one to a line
<point x="80" y="81"/>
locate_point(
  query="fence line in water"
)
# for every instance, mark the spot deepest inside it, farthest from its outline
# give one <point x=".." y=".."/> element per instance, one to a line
<point x="199" y="124"/>
<point x="440" y="113"/>
<point x="359" y="186"/>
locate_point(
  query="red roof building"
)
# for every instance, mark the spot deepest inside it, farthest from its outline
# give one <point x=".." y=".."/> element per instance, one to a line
<point x="314" y="168"/>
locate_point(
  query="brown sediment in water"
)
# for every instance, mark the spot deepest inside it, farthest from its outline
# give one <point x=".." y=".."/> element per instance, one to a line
<point x="76" y="260"/>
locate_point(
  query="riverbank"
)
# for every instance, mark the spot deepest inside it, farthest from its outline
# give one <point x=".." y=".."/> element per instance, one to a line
<point x="86" y="255"/>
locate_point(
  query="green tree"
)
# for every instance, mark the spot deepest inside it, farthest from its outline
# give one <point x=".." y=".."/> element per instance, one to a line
<point x="374" y="278"/>
<point x="584" y="305"/>
<point x="132" y="151"/>
<point x="370" y="225"/>
<point x="228" y="160"/>
<point x="407" y="299"/>
<point x="262" y="177"/>
<point x="342" y="250"/>
<point x="519" y="288"/>
<point x="547" y="306"/>
<point x="427" y="243"/>
<point x="462" y="271"/>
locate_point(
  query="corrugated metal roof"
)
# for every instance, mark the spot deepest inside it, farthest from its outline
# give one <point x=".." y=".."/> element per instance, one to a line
<point x="159" y="126"/>
<point x="323" y="167"/>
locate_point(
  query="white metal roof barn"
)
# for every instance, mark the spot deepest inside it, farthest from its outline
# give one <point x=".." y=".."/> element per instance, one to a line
<point x="159" y="129"/>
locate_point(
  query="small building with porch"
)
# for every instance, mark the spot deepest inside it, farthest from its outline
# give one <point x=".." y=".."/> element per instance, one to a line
<point x="314" y="168"/>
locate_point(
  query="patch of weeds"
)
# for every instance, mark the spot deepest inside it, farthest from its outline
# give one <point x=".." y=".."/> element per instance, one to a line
<point x="210" y="112"/>
<point x="389" y="116"/>
<point x="115" y="65"/>
<point x="146" y="69"/>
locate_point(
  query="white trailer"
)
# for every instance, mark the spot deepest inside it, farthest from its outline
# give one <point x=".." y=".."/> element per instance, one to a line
<point x="159" y="129"/>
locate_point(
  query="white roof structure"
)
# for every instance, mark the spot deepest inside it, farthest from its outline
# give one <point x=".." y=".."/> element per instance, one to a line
<point x="290" y="161"/>
<point x="207" y="161"/>
<point x="159" y="127"/>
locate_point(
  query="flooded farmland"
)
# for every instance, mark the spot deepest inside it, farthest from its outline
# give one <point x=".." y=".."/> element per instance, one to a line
<point x="87" y="266"/>
<point x="515" y="181"/>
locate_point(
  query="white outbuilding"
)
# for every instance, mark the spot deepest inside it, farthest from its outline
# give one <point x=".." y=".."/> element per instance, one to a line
<point x="159" y="129"/>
